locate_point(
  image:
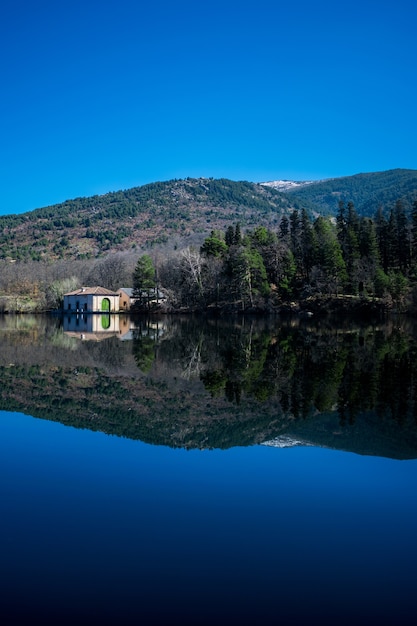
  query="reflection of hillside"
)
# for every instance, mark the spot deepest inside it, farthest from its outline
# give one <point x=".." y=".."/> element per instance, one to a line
<point x="369" y="435"/>
<point x="192" y="383"/>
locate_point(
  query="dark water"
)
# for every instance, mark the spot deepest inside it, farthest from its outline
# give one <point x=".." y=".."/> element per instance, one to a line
<point x="142" y="493"/>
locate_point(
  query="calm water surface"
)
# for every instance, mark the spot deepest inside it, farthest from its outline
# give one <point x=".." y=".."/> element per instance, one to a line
<point x="98" y="528"/>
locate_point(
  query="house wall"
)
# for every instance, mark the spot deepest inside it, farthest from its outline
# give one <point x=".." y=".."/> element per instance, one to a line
<point x="89" y="303"/>
<point x="78" y="303"/>
<point x="114" y="303"/>
<point x="124" y="301"/>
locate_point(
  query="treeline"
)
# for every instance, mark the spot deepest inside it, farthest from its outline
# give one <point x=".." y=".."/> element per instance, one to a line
<point x="352" y="256"/>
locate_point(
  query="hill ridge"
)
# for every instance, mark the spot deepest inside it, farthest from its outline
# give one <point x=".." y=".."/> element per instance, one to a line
<point x="182" y="212"/>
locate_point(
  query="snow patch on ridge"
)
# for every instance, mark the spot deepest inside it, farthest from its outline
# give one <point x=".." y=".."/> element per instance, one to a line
<point x="286" y="185"/>
<point x="285" y="441"/>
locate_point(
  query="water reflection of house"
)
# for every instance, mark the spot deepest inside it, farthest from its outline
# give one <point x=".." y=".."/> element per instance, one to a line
<point x="91" y="300"/>
<point x="91" y="327"/>
<point x="98" y="327"/>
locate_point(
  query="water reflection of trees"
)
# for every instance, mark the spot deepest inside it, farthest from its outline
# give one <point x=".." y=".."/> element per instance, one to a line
<point x="307" y="368"/>
<point x="193" y="382"/>
<point x="304" y="366"/>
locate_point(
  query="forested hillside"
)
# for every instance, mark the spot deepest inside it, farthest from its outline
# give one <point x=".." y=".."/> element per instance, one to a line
<point x="168" y="213"/>
<point x="368" y="192"/>
<point x="218" y="243"/>
<point x="349" y="262"/>
<point x="183" y="212"/>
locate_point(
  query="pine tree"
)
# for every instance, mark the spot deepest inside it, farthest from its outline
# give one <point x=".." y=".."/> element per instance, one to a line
<point x="381" y="228"/>
<point x="238" y="235"/>
<point x="230" y="236"/>
<point x="369" y="266"/>
<point x="144" y="280"/>
<point x="284" y="228"/>
<point x="414" y="233"/>
<point x="308" y="244"/>
<point x="391" y="243"/>
<point x="247" y="273"/>
<point x="329" y="253"/>
<point x="403" y="243"/>
<point x="214" y="245"/>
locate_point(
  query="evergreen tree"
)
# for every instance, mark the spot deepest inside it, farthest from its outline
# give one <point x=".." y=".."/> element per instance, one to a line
<point x="144" y="280"/>
<point x="391" y="243"/>
<point x="247" y="273"/>
<point x="288" y="273"/>
<point x="308" y="245"/>
<point x="341" y="224"/>
<point x="284" y="228"/>
<point x="403" y="243"/>
<point x="348" y="224"/>
<point x="329" y="254"/>
<point x="295" y="233"/>
<point x="381" y="228"/>
<point x="369" y="264"/>
<point x="414" y="233"/>
<point x="296" y="244"/>
<point x="238" y="235"/>
<point x="352" y="219"/>
<point x="214" y="245"/>
<point x="368" y="243"/>
<point x="230" y="236"/>
<point x="233" y="236"/>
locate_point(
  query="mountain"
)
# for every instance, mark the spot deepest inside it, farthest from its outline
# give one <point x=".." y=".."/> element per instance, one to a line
<point x="174" y="213"/>
<point x="178" y="213"/>
<point x="368" y="192"/>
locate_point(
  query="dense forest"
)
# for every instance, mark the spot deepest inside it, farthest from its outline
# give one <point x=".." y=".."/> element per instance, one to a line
<point x="370" y="192"/>
<point x="353" y="260"/>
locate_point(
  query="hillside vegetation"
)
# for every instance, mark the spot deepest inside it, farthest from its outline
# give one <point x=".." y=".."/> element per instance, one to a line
<point x="220" y="244"/>
<point x="368" y="192"/>
<point x="161" y="213"/>
<point x="177" y="213"/>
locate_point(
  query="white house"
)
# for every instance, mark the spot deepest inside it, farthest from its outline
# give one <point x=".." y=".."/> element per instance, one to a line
<point x="91" y="300"/>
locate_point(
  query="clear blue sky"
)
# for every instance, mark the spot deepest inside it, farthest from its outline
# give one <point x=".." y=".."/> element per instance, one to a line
<point x="100" y="95"/>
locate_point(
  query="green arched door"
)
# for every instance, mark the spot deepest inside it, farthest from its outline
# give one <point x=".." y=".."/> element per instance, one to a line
<point x="105" y="305"/>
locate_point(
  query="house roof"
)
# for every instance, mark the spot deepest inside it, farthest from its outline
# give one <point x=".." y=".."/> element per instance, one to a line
<point x="91" y="291"/>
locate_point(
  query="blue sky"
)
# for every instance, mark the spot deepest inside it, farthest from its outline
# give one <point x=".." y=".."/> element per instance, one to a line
<point x="103" y="95"/>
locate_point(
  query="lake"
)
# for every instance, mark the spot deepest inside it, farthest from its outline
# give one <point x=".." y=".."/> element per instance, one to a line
<point x="178" y="470"/>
